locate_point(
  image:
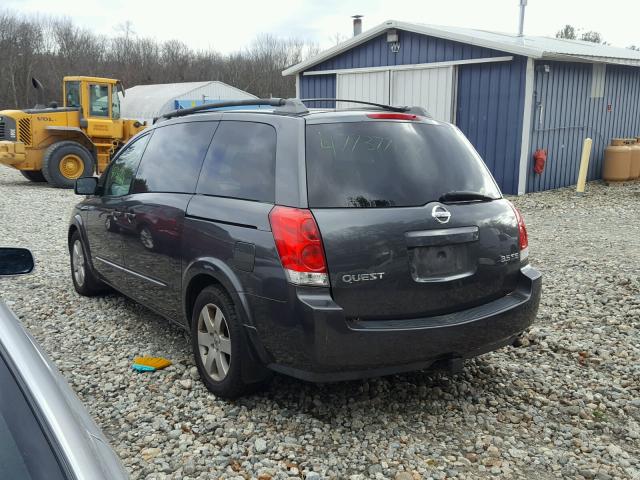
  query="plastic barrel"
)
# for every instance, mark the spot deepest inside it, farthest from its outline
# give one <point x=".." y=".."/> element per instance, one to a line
<point x="635" y="159"/>
<point x="617" y="161"/>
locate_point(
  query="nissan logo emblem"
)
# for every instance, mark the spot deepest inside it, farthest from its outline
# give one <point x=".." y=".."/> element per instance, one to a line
<point x="441" y="214"/>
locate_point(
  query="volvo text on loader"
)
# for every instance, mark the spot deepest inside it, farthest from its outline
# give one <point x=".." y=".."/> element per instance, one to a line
<point x="61" y="144"/>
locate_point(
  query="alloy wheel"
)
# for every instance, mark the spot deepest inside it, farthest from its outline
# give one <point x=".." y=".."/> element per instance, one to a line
<point x="214" y="342"/>
<point x="77" y="258"/>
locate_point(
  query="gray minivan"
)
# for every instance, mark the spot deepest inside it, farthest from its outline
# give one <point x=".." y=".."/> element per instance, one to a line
<point x="327" y="245"/>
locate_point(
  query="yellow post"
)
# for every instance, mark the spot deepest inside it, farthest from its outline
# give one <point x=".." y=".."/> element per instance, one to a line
<point x="584" y="166"/>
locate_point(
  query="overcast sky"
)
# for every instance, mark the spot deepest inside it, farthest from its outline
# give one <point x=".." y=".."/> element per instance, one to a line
<point x="230" y="25"/>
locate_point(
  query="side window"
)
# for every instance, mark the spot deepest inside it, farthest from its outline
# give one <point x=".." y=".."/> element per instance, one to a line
<point x="99" y="100"/>
<point x="115" y="103"/>
<point x="72" y="94"/>
<point x="173" y="159"/>
<point x="123" y="168"/>
<point x="241" y="162"/>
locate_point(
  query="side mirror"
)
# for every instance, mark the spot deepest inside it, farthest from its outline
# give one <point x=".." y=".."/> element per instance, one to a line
<point x="86" y="186"/>
<point x="15" y="261"/>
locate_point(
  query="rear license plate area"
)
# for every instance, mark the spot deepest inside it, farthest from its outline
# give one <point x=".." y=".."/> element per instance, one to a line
<point x="441" y="263"/>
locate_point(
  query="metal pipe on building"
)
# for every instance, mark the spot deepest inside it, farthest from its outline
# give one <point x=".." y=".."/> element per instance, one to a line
<point x="357" y="24"/>
<point x="523" y="4"/>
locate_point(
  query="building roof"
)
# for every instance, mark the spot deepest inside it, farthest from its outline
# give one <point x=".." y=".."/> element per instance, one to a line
<point x="148" y="101"/>
<point x="529" y="46"/>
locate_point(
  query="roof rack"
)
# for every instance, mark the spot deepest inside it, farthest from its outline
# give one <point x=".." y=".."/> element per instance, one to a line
<point x="392" y="108"/>
<point x="284" y="105"/>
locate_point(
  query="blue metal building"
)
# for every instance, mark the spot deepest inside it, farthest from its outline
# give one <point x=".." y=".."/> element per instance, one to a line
<point x="509" y="94"/>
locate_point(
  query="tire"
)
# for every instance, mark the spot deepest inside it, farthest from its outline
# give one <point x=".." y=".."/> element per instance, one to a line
<point x="35" y="176"/>
<point x="222" y="375"/>
<point x="84" y="280"/>
<point x="65" y="162"/>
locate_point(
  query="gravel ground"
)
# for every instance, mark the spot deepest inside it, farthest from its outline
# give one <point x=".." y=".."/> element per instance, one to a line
<point x="566" y="404"/>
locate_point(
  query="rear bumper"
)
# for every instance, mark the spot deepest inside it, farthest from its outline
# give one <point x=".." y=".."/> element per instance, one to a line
<point x="309" y="337"/>
<point x="12" y="153"/>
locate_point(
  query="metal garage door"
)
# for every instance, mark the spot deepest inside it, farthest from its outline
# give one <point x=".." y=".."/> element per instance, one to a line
<point x="431" y="88"/>
<point x="368" y="87"/>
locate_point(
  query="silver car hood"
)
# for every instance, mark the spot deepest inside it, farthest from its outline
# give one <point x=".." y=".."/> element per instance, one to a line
<point x="86" y="451"/>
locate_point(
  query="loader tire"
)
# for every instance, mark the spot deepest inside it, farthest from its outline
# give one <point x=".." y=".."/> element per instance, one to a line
<point x="65" y="162"/>
<point x="35" y="176"/>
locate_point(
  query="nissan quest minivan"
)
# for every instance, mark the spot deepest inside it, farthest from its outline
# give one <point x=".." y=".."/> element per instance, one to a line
<point x="326" y="245"/>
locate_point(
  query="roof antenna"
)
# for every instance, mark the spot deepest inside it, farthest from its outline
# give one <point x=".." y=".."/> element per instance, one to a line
<point x="523" y="4"/>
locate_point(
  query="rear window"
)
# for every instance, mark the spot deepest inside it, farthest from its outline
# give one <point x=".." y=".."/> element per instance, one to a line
<point x="390" y="164"/>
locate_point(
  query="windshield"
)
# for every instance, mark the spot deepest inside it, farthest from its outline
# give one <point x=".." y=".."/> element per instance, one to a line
<point x="391" y="164"/>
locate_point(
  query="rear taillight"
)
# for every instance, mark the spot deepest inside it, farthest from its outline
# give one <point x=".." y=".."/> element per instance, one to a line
<point x="393" y="116"/>
<point x="522" y="231"/>
<point x="299" y="245"/>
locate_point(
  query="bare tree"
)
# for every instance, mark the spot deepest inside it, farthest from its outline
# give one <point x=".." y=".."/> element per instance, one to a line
<point x="592" y="36"/>
<point x="571" y="33"/>
<point x="568" y="32"/>
<point x="337" y="38"/>
<point x="50" y="48"/>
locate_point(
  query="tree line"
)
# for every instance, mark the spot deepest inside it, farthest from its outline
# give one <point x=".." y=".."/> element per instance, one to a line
<point x="50" y="48"/>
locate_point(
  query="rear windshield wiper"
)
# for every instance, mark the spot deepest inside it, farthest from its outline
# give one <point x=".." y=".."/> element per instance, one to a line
<point x="464" y="196"/>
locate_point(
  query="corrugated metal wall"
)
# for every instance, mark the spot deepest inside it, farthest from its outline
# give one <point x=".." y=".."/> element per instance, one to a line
<point x="490" y="96"/>
<point x="414" y="48"/>
<point x="489" y="111"/>
<point x="367" y="87"/>
<point x="564" y="114"/>
<point x="431" y="88"/>
<point x="318" y="86"/>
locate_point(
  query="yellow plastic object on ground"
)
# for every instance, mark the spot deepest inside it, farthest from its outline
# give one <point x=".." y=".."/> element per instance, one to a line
<point x="155" y="362"/>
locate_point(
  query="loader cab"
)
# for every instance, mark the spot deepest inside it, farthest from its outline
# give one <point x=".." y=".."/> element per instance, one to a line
<point x="99" y="104"/>
<point x="96" y="97"/>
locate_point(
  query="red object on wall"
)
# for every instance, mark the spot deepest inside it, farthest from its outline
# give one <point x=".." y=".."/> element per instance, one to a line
<point x="539" y="159"/>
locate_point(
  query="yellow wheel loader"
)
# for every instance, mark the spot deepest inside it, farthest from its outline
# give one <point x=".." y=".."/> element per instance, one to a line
<point x="60" y="144"/>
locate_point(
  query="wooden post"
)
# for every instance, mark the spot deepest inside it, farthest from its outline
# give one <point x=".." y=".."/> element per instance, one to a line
<point x="584" y="166"/>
